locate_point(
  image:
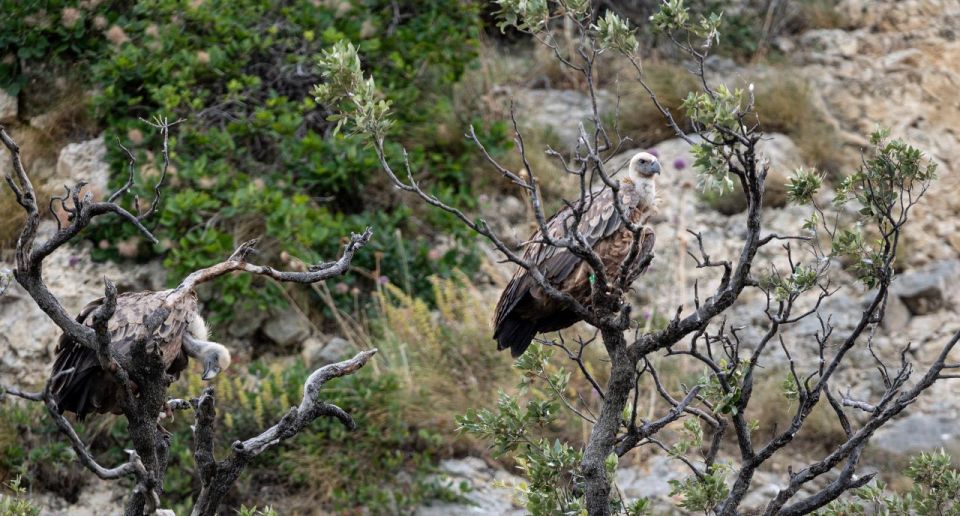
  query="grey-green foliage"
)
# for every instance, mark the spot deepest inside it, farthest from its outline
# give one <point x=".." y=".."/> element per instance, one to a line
<point x="15" y="503"/>
<point x="615" y="33"/>
<point x="525" y="15"/>
<point x="702" y="493"/>
<point x="725" y="401"/>
<point x="803" y="186"/>
<point x="715" y="112"/>
<point x="802" y="279"/>
<point x="518" y="426"/>
<point x="935" y="491"/>
<point x="345" y="86"/>
<point x="674" y="17"/>
<point x="892" y="177"/>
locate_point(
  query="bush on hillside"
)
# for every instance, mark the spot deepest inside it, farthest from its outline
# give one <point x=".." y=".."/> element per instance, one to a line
<point x="256" y="156"/>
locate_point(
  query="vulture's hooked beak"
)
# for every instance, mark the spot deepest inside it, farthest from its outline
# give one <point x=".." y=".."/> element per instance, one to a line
<point x="211" y="368"/>
<point x="656" y="167"/>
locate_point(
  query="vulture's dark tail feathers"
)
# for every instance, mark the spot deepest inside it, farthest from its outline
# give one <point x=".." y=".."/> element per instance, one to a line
<point x="73" y="391"/>
<point x="516" y="334"/>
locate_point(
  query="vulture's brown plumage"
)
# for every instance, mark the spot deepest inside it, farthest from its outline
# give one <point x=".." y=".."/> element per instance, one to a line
<point x="525" y="309"/>
<point x="91" y="389"/>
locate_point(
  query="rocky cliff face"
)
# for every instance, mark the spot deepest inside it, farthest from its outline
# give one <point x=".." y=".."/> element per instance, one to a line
<point x="898" y="67"/>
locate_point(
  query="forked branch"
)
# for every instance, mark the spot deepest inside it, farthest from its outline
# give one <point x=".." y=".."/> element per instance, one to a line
<point x="217" y="477"/>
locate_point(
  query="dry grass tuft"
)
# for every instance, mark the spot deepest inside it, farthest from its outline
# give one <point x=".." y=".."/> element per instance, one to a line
<point x="447" y="362"/>
<point x="784" y="105"/>
<point x="817" y="14"/>
<point x="555" y="184"/>
<point x="640" y="119"/>
<point x="769" y="406"/>
<point x="64" y="120"/>
<point x="445" y="359"/>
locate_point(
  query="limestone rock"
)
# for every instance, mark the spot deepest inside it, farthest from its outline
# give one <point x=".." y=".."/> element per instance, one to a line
<point x="8" y="107"/>
<point x="512" y="209"/>
<point x="246" y="323"/>
<point x="832" y="41"/>
<point x="924" y="290"/>
<point x="507" y="215"/>
<point x="558" y="111"/>
<point x="27" y="336"/>
<point x="286" y="328"/>
<point x="897" y="315"/>
<point x="316" y="352"/>
<point x="918" y="432"/>
<point x="97" y="498"/>
<point x="490" y="493"/>
<point x="650" y="479"/>
<point x="84" y="160"/>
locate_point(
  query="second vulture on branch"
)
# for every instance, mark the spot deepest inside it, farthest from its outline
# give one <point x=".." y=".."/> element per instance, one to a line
<point x="183" y="334"/>
<point x="525" y="309"/>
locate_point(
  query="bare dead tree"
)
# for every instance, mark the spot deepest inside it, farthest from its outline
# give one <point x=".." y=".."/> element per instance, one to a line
<point x="725" y="133"/>
<point x="145" y="369"/>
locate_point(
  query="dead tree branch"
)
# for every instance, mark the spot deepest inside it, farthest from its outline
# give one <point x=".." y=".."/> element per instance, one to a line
<point x="218" y="476"/>
<point x="144" y="367"/>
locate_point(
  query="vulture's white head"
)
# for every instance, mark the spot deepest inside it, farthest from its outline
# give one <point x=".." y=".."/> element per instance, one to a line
<point x="215" y="357"/>
<point x="643" y="167"/>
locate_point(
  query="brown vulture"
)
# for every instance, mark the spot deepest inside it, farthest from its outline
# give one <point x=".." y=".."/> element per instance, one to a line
<point x="91" y="389"/>
<point x="525" y="309"/>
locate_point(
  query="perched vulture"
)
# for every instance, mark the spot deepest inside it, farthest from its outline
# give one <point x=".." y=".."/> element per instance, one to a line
<point x="525" y="309"/>
<point x="91" y="389"/>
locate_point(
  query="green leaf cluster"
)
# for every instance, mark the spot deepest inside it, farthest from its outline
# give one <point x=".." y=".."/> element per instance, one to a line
<point x="675" y="17"/>
<point x="802" y="279"/>
<point x="15" y="503"/>
<point x="712" y="389"/>
<point x="524" y="15"/>
<point x="517" y="427"/>
<point x="802" y="187"/>
<point x="716" y="114"/>
<point x="892" y="177"/>
<point x="935" y="491"/>
<point x="701" y="494"/>
<point x="614" y="32"/>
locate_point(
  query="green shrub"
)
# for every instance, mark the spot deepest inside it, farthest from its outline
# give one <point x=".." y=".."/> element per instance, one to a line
<point x="33" y="449"/>
<point x="35" y="35"/>
<point x="257" y="155"/>
<point x="384" y="466"/>
<point x="520" y="425"/>
<point x="16" y="504"/>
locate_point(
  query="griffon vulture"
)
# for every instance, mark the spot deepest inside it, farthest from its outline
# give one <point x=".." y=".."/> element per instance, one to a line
<point x="525" y="309"/>
<point x="184" y="334"/>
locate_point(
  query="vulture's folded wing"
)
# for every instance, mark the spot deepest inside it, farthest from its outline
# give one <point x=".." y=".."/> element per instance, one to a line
<point x="599" y="221"/>
<point x="88" y="388"/>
